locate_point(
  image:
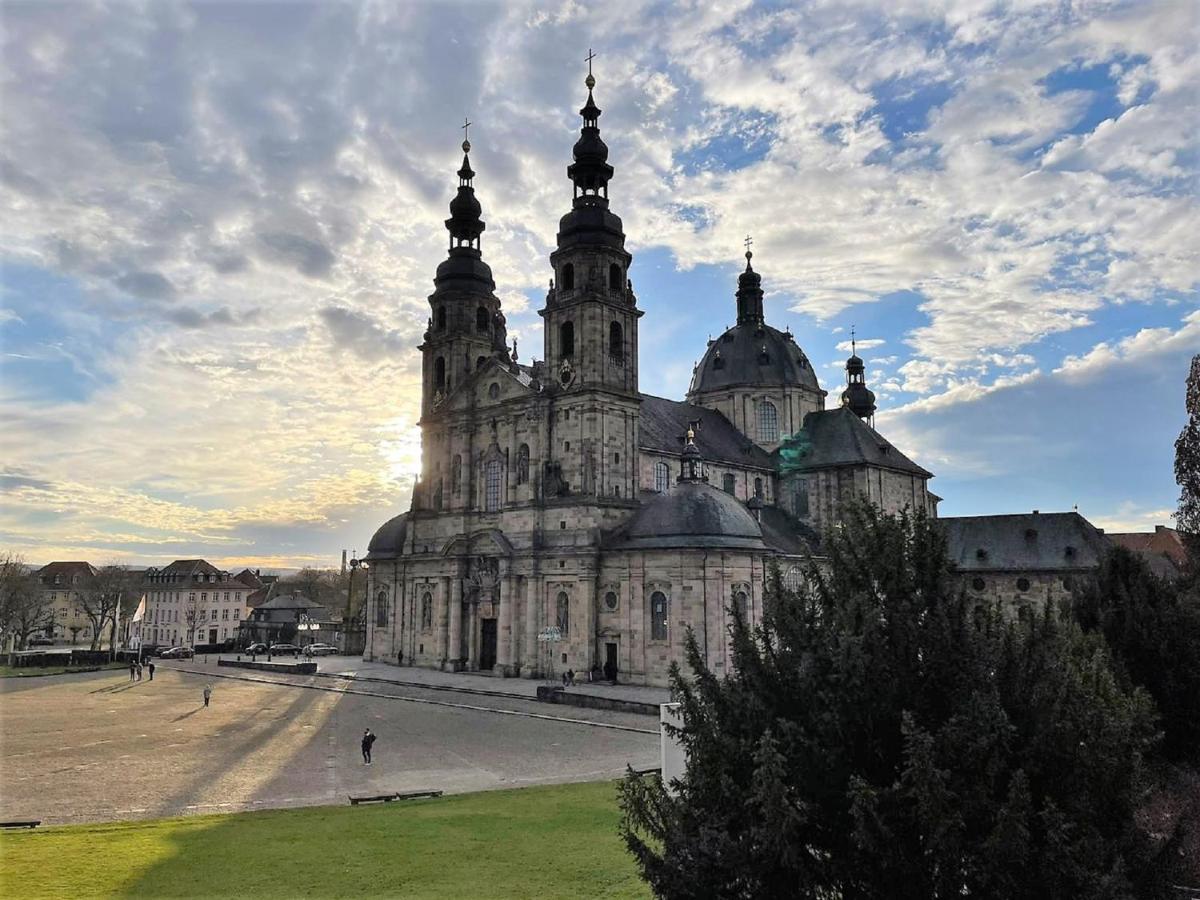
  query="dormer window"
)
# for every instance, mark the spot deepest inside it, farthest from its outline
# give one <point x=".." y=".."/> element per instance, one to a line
<point x="718" y="361"/>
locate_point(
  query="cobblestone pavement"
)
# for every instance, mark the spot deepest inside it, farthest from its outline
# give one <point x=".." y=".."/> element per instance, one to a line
<point x="96" y="747"/>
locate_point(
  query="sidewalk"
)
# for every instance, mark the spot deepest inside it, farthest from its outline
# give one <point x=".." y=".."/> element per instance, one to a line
<point x="356" y="669"/>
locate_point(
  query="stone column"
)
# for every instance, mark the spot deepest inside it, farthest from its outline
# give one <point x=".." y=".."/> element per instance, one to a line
<point x="443" y="621"/>
<point x="516" y="596"/>
<point x="454" y="663"/>
<point x="529" y="656"/>
<point x="504" y="624"/>
<point x="472" y="625"/>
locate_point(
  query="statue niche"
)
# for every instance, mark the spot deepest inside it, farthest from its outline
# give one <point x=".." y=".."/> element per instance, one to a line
<point x="482" y="583"/>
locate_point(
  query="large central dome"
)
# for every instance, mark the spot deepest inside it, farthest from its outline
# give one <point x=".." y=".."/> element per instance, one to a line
<point x="753" y="353"/>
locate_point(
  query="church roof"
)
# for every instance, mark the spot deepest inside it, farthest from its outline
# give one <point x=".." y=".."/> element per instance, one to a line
<point x="691" y="514"/>
<point x="785" y="533"/>
<point x="388" y="540"/>
<point x="838" y="437"/>
<point x="1024" y="542"/>
<point x="753" y="353"/>
<point x="663" y="424"/>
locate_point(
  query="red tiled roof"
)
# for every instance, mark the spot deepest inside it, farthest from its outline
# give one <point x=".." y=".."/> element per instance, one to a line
<point x="1162" y="540"/>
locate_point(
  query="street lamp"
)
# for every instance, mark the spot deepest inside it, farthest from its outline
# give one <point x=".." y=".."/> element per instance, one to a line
<point x="355" y="564"/>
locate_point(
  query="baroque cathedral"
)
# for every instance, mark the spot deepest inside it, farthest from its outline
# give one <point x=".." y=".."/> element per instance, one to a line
<point x="563" y="519"/>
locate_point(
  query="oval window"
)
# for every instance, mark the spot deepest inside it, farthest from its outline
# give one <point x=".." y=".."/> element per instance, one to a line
<point x="610" y="600"/>
<point x="978" y="584"/>
<point x="493" y="390"/>
<point x="1022" y="584"/>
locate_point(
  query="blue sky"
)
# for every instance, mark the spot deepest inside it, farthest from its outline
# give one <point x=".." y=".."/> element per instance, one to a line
<point x="221" y="222"/>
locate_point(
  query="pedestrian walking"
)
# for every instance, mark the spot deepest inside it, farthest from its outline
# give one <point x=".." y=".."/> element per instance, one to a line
<point x="150" y="668"/>
<point x="132" y="670"/>
<point x="207" y="693"/>
<point x="367" y="741"/>
<point x="139" y="671"/>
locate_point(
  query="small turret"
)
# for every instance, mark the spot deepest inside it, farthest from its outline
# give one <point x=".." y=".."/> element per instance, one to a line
<point x="857" y="397"/>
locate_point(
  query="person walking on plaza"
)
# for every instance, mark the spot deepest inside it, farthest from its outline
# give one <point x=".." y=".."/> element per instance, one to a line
<point x="367" y="741"/>
<point x="207" y="693"/>
<point x="150" y="668"/>
<point x="132" y="669"/>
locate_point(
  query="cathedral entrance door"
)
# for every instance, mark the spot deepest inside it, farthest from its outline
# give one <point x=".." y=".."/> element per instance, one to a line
<point x="487" y="641"/>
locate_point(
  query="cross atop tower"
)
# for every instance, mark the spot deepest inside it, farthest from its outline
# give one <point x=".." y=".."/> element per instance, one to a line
<point x="853" y="349"/>
<point x="749" y="240"/>
<point x="465" y="125"/>
<point x="589" y="59"/>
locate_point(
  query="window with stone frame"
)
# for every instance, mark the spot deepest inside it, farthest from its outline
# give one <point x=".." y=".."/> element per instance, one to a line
<point x="758" y="488"/>
<point x="427" y="612"/>
<point x="662" y="477"/>
<point x="614" y="277"/>
<point x="456" y="474"/>
<point x="563" y="613"/>
<point x="381" y="609"/>
<point x="439" y="374"/>
<point x="728" y="483"/>
<point x="616" y="343"/>
<point x="566" y="339"/>
<point x="482" y="320"/>
<point x="800" y="498"/>
<point x="491" y="486"/>
<point x="522" y="464"/>
<point x="768" y="422"/>
<point x="438" y="495"/>
<point x="568" y="277"/>
<point x="742" y="601"/>
<point x="660" y="609"/>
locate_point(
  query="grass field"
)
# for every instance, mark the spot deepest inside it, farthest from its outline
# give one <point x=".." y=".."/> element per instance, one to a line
<point x="31" y="671"/>
<point x="558" y="841"/>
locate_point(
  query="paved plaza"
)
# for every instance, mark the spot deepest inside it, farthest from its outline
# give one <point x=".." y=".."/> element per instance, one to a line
<point x="97" y="747"/>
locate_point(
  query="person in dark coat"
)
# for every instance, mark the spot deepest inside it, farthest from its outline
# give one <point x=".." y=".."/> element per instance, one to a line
<point x="367" y="740"/>
<point x="150" y="669"/>
<point x="132" y="669"/>
<point x="207" y="693"/>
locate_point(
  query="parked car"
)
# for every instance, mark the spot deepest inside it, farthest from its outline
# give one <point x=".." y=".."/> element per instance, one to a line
<point x="41" y="642"/>
<point x="256" y="648"/>
<point x="319" y="650"/>
<point x="178" y="653"/>
<point x="284" y="650"/>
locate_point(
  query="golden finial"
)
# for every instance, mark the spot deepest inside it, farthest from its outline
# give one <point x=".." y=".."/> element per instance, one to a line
<point x="691" y="434"/>
<point x="590" y="81"/>
<point x="466" y="143"/>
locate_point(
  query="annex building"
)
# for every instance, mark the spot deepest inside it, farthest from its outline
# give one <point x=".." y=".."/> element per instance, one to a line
<point x="556" y="500"/>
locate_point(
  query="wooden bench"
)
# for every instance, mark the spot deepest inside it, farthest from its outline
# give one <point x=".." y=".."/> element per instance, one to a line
<point x="388" y="798"/>
<point x="34" y="823"/>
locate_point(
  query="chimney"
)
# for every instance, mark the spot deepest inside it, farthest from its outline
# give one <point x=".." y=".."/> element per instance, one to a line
<point x="1035" y="512"/>
<point x="343" y="562"/>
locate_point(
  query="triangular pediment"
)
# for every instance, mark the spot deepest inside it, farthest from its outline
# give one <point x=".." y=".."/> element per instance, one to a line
<point x="493" y="384"/>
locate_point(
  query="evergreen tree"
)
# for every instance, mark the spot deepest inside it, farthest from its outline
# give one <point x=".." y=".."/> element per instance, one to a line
<point x="1187" y="471"/>
<point x="882" y="736"/>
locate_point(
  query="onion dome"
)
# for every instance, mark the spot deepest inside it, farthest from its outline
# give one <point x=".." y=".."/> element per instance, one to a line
<point x="749" y="294"/>
<point x="464" y="265"/>
<point x="857" y="397"/>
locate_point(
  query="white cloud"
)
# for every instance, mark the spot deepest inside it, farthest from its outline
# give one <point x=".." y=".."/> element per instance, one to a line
<point x="1148" y="344"/>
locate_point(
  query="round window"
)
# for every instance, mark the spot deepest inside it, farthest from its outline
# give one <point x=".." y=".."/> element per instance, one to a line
<point x="978" y="584"/>
<point x="610" y="600"/>
<point x="1022" y="584"/>
<point x="494" y="390"/>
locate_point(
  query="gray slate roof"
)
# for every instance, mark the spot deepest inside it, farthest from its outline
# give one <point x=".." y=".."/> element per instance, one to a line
<point x="741" y="361"/>
<point x="388" y="540"/>
<point x="1025" y="542"/>
<point x="665" y="422"/>
<point x="692" y="514"/>
<point x="787" y="534"/>
<point x="837" y="437"/>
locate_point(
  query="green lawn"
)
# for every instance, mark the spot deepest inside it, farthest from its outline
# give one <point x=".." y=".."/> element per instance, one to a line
<point x="558" y="841"/>
<point x="29" y="671"/>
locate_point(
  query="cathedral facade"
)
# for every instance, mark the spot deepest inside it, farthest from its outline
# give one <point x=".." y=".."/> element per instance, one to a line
<point x="565" y="520"/>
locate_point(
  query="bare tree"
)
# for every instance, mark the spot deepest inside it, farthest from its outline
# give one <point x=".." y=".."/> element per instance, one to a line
<point x="100" y="600"/>
<point x="24" y="607"/>
<point x="191" y="618"/>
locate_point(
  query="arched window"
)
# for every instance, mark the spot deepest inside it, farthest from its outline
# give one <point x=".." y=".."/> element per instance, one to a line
<point x="614" y="277"/>
<point x="438" y="495"/>
<point x="568" y="277"/>
<point x="566" y="339"/>
<point x="758" y="488"/>
<point x="794" y="579"/>
<point x="482" y="319"/>
<point x="563" y="613"/>
<point x="522" y="464"/>
<point x="800" y="498"/>
<point x="491" y="486"/>
<point x="659" y="610"/>
<point x="441" y="318"/>
<point x="768" y="422"/>
<point x="742" y="601"/>
<point x="728" y="483"/>
<point x="456" y="474"/>
<point x="439" y="374"/>
<point x="479" y="361"/>
<point x="662" y="477"/>
<point x="616" y="343"/>
<point x="427" y="612"/>
<point x="381" y="609"/>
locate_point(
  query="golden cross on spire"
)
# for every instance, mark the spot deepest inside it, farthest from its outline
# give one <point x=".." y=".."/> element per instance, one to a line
<point x="749" y="240"/>
<point x="853" y="347"/>
<point x="465" y="125"/>
<point x="589" y="59"/>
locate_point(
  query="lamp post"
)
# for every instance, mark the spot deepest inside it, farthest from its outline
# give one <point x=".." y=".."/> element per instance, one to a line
<point x="355" y="565"/>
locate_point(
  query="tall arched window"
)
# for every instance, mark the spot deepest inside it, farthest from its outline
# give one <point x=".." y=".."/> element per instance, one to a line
<point x="439" y="374"/>
<point x="728" y="483"/>
<point x="614" y="277"/>
<point x="563" y="613"/>
<point x="768" y="422"/>
<point x="427" y="612"/>
<point x="438" y="495"/>
<point x="482" y="319"/>
<point x="800" y="498"/>
<point x="441" y="318"/>
<point x="662" y="477"/>
<point x="566" y="339"/>
<point x="381" y="609"/>
<point x="522" y="464"/>
<point x="568" y="277"/>
<point x="758" y="488"/>
<point x="456" y="474"/>
<point x="616" y="343"/>
<point x="742" y="601"/>
<point x="659" y="610"/>
<point x="491" y="486"/>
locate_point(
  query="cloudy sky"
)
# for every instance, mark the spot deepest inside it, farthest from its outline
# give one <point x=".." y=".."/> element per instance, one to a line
<point x="220" y="223"/>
